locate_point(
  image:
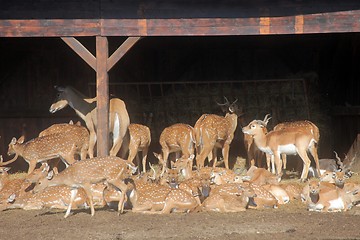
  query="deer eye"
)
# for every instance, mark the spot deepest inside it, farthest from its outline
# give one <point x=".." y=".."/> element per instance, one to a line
<point x="252" y="126"/>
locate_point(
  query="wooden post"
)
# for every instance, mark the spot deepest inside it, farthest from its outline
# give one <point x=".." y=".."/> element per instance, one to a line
<point x="101" y="64"/>
<point x="102" y="93"/>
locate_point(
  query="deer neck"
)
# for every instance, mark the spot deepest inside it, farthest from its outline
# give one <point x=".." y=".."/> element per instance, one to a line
<point x="78" y="103"/>
<point x="260" y="140"/>
<point x="232" y="118"/>
<point x="19" y="148"/>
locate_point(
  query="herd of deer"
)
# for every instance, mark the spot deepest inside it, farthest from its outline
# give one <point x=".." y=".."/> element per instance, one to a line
<point x="176" y="187"/>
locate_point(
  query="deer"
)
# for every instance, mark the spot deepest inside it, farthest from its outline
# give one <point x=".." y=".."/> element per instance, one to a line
<point x="321" y="196"/>
<point x="261" y="176"/>
<point x="225" y="202"/>
<point x="214" y="131"/>
<point x="306" y="126"/>
<point x="81" y="135"/>
<point x="140" y="139"/>
<point x="43" y="149"/>
<point x="56" y="197"/>
<point x="90" y="171"/>
<point x="86" y="109"/>
<point x="177" y="138"/>
<point x="155" y="198"/>
<point x="20" y="187"/>
<point x="288" y="141"/>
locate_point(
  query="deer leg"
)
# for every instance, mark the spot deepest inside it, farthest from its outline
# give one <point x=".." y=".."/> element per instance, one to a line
<point x="32" y="166"/>
<point x="132" y="153"/>
<point x="284" y="160"/>
<point x="92" y="141"/>
<point x="123" y="188"/>
<point x="72" y="198"/>
<point x="225" y="152"/>
<point x="144" y="157"/>
<point x="273" y="164"/>
<point x="268" y="159"/>
<point x="116" y="146"/>
<point x="165" y="155"/>
<point x="204" y="153"/>
<point x="313" y="152"/>
<point x="87" y="189"/>
<point x="277" y="163"/>
<point x="303" y="154"/>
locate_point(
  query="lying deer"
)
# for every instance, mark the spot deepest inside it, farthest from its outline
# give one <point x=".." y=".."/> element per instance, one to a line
<point x="320" y="196"/>
<point x="86" y="109"/>
<point x="225" y="202"/>
<point x="213" y="131"/>
<point x="178" y="138"/>
<point x="288" y="141"/>
<point x="155" y="198"/>
<point x="90" y="171"/>
<point x="58" y="197"/>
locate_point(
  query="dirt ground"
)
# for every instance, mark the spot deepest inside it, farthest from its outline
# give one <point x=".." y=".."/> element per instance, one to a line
<point x="291" y="221"/>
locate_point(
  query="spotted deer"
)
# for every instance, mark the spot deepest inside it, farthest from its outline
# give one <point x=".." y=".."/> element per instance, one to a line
<point x="90" y="171"/>
<point x="213" y="131"/>
<point x="56" y="197"/>
<point x="43" y="149"/>
<point x="288" y="141"/>
<point x="177" y="138"/>
<point x="86" y="109"/>
<point x="20" y="187"/>
<point x="140" y="139"/>
<point x="235" y="200"/>
<point x="155" y="198"/>
<point x="80" y="134"/>
<point x="261" y="176"/>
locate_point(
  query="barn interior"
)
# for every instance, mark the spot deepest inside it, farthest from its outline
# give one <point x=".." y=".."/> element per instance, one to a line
<point x="176" y="79"/>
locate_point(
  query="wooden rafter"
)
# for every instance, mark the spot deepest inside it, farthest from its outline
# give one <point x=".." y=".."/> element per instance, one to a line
<point x="102" y="63"/>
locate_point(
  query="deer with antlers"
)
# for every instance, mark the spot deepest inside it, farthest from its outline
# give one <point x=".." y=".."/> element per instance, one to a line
<point x="290" y="141"/>
<point x="86" y="109"/>
<point x="84" y="173"/>
<point x="213" y="131"/>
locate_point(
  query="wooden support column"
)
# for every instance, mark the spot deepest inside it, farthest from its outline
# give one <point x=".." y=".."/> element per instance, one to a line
<point x="102" y="63"/>
<point x="102" y="93"/>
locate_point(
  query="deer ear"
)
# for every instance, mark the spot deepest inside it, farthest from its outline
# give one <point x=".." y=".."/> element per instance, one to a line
<point x="21" y="139"/>
<point x="50" y="175"/>
<point x="71" y="122"/>
<point x="192" y="156"/>
<point x="45" y="167"/>
<point x="13" y="140"/>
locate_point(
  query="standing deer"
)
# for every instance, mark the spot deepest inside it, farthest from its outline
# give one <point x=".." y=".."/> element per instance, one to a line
<point x="140" y="139"/>
<point x="178" y="138"/>
<point x="84" y="173"/>
<point x="86" y="109"/>
<point x="41" y="149"/>
<point x="82" y="135"/>
<point x="289" y="141"/>
<point x="306" y="126"/>
<point x="213" y="131"/>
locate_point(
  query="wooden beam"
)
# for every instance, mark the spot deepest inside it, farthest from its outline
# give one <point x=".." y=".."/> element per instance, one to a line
<point x="322" y="22"/>
<point x="121" y="51"/>
<point x="81" y="50"/>
<point x="102" y="93"/>
<point x="49" y="27"/>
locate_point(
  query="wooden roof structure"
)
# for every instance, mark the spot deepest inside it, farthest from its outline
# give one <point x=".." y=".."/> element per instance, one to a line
<point x="142" y="18"/>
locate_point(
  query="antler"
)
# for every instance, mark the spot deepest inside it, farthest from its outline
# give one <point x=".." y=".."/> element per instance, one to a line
<point x="339" y="162"/>
<point x="266" y="120"/>
<point x="227" y="103"/>
<point x="154" y="176"/>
